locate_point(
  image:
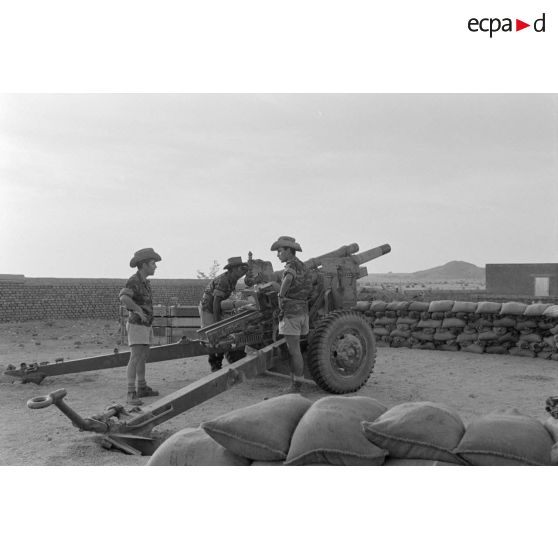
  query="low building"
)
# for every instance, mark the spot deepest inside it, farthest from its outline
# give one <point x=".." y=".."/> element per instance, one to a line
<point x="538" y="280"/>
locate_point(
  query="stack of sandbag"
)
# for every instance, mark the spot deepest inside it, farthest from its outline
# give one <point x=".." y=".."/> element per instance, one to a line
<point x="437" y="327"/>
<point x="515" y="328"/>
<point x="423" y="330"/>
<point x="285" y="430"/>
<point x="445" y="336"/>
<point x="400" y="336"/>
<point x="506" y="438"/>
<point x="381" y="324"/>
<point x="549" y="322"/>
<point x="417" y="433"/>
<point x="253" y="434"/>
<point x="511" y="317"/>
<point x="426" y="433"/>
<point x="330" y="434"/>
<point x="533" y="327"/>
<point x="356" y="430"/>
<point x="464" y="314"/>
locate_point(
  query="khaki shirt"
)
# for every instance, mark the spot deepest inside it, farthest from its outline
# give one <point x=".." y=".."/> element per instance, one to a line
<point x="296" y="297"/>
<point x="223" y="286"/>
<point x="139" y="290"/>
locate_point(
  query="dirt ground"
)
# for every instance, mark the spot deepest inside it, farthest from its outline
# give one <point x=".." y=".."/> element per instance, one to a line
<point x="472" y="384"/>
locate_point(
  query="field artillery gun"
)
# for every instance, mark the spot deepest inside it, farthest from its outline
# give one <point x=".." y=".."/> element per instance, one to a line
<point x="339" y="351"/>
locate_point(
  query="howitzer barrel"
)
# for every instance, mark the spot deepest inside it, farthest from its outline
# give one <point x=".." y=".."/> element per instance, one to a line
<point x="371" y="254"/>
<point x="342" y="252"/>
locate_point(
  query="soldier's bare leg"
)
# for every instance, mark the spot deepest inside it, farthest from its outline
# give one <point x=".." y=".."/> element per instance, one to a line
<point x="297" y="362"/>
<point x="134" y="370"/>
<point x="143" y="389"/>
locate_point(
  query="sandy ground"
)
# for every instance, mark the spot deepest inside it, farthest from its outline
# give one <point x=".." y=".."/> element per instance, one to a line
<point x="472" y="384"/>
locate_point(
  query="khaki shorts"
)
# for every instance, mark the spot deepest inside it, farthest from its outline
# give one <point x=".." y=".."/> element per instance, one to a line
<point x="295" y="325"/>
<point x="139" y="334"/>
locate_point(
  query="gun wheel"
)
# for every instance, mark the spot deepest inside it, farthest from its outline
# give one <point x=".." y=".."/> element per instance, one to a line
<point x="342" y="352"/>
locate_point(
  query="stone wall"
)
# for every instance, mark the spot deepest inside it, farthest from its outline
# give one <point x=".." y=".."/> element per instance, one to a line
<point x="56" y="298"/>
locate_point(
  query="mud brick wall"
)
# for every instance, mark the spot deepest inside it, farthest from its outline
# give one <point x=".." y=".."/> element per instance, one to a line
<point x="26" y="299"/>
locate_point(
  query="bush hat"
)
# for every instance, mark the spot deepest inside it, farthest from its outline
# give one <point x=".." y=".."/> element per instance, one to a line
<point x="144" y="254"/>
<point x="235" y="261"/>
<point x="286" y="242"/>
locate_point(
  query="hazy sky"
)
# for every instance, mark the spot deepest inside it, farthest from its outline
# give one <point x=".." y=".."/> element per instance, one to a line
<point x="85" y="180"/>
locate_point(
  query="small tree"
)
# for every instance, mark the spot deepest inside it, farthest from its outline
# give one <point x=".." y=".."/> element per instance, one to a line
<point x="211" y="274"/>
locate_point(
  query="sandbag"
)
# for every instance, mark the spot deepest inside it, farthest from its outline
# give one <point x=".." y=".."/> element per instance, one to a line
<point x="510" y="336"/>
<point x="466" y="338"/>
<point x="193" y="447"/>
<point x="488" y="336"/>
<point x="536" y="309"/>
<point x="505" y="438"/>
<point x="400" y="333"/>
<point x="378" y="330"/>
<point x="418" y="306"/>
<point x="524" y="324"/>
<point x="423" y="336"/>
<point x="437" y="315"/>
<point x="330" y="433"/>
<point x="417" y="430"/>
<point x="441" y="306"/>
<point x="504" y="321"/>
<point x="405" y="320"/>
<point x="530" y="338"/>
<point x="513" y="308"/>
<point x="362" y="305"/>
<point x="453" y="322"/>
<point x="465" y="307"/>
<point x="444" y="335"/>
<point x="397" y="305"/>
<point x="488" y="307"/>
<point x="551" y="311"/>
<point x="486" y="322"/>
<point x="550" y="341"/>
<point x="385" y="320"/>
<point x="378" y="306"/>
<point x="429" y="323"/>
<point x="260" y="432"/>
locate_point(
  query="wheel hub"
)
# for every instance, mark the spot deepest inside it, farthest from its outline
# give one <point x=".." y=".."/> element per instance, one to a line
<point x="347" y="353"/>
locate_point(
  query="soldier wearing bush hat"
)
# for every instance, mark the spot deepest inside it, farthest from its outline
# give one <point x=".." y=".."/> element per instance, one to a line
<point x="136" y="296"/>
<point x="218" y="289"/>
<point x="296" y="286"/>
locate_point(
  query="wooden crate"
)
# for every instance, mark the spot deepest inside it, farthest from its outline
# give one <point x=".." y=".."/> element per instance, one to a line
<point x="181" y="311"/>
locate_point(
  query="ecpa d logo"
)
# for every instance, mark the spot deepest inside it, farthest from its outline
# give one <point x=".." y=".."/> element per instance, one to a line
<point x="493" y="25"/>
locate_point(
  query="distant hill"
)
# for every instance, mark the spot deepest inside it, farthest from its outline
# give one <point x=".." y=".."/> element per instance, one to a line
<point x="451" y="271"/>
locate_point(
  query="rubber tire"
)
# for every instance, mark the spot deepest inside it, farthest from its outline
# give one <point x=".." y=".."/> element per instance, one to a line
<point x="329" y="330"/>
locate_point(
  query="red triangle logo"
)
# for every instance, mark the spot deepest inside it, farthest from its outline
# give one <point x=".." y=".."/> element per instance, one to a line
<point x="519" y="25"/>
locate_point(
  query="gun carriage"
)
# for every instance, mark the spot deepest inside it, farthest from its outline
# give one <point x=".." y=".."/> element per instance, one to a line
<point x="339" y="351"/>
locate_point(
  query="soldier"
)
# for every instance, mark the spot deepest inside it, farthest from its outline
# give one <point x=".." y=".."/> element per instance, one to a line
<point x="296" y="286"/>
<point x="137" y="298"/>
<point x="220" y="288"/>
